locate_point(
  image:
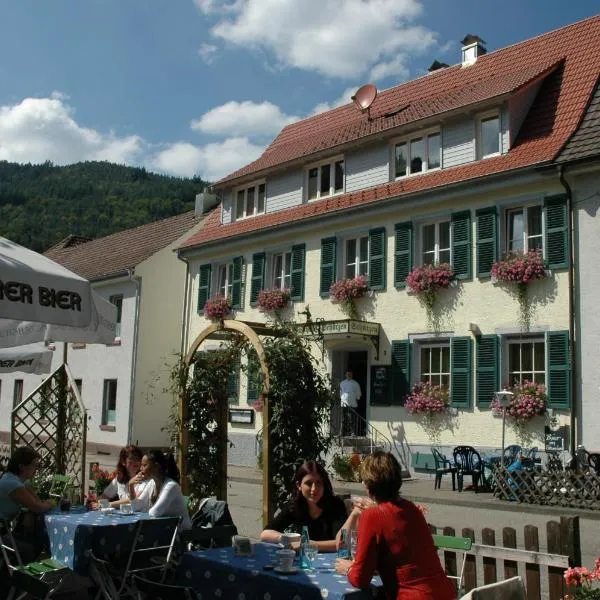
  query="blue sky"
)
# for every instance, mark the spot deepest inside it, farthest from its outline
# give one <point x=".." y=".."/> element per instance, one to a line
<point x="201" y="86"/>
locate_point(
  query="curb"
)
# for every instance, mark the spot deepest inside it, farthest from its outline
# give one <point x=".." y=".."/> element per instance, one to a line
<point x="490" y="504"/>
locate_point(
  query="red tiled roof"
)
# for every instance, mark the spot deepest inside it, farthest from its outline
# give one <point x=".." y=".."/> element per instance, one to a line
<point x="113" y="254"/>
<point x="569" y="58"/>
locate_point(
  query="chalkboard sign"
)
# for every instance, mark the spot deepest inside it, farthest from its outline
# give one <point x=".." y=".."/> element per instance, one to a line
<point x="558" y="440"/>
<point x="381" y="383"/>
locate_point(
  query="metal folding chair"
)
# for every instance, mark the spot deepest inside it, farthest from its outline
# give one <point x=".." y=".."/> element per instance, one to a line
<point x="151" y="551"/>
<point x="459" y="544"/>
<point x="208" y="537"/>
<point x="39" y="579"/>
<point x="152" y="590"/>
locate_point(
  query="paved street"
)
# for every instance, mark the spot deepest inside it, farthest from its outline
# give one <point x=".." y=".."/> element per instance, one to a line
<point x="245" y="505"/>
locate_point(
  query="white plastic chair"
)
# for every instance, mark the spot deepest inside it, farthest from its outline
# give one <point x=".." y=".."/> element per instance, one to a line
<point x="509" y="589"/>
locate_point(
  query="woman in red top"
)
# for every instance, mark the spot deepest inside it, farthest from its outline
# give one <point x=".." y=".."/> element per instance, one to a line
<point x="393" y="539"/>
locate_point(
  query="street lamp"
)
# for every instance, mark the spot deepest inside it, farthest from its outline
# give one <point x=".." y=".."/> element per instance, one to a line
<point x="503" y="398"/>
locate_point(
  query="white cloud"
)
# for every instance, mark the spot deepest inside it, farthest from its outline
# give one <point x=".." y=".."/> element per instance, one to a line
<point x="243" y="119"/>
<point x="344" y="98"/>
<point x="393" y="68"/>
<point x="207" y="53"/>
<point x="40" y="129"/>
<point x="211" y="162"/>
<point x="342" y="38"/>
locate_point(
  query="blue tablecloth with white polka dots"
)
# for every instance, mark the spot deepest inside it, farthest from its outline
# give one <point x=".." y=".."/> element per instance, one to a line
<point x="73" y="536"/>
<point x="218" y="573"/>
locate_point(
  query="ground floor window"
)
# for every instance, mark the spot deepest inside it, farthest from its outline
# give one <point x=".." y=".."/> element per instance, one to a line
<point x="526" y="360"/>
<point x="434" y="364"/>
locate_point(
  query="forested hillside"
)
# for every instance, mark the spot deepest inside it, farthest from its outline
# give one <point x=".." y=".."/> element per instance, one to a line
<point x="41" y="204"/>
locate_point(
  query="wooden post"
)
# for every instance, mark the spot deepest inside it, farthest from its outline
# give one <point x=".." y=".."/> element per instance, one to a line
<point x="490" y="573"/>
<point x="532" y="571"/>
<point x="555" y="575"/>
<point x="450" y="556"/>
<point x="267" y="513"/>
<point x="470" y="574"/>
<point x="509" y="540"/>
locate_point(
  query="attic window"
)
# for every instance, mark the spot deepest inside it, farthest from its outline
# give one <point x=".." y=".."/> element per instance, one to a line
<point x="489" y="136"/>
<point x="325" y="179"/>
<point x="250" y="201"/>
<point x="417" y="154"/>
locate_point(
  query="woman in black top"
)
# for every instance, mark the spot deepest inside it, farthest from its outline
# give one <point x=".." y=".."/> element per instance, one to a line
<point x="312" y="504"/>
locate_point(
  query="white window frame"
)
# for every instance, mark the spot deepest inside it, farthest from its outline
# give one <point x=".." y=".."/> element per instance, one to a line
<point x="494" y="114"/>
<point x="424" y="135"/>
<point x="437" y="223"/>
<point x="439" y="343"/>
<point x="524" y="207"/>
<point x="319" y="165"/>
<point x="255" y="212"/>
<point x="117" y="300"/>
<point x="106" y="387"/>
<point x="356" y="262"/>
<point x="519" y="340"/>
<point x="227" y="269"/>
<point x="282" y="275"/>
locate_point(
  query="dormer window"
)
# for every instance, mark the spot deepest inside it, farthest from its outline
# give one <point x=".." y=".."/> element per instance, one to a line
<point x="250" y="201"/>
<point x="325" y="179"/>
<point x="489" y="136"/>
<point x="417" y="154"/>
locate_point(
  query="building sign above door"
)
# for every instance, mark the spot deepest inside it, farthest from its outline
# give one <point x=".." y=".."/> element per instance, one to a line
<point x="349" y="329"/>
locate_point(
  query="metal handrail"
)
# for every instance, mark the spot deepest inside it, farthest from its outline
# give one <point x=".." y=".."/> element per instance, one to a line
<point x="355" y="422"/>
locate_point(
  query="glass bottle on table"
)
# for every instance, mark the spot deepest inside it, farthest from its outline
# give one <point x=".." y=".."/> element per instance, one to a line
<point x="304" y="541"/>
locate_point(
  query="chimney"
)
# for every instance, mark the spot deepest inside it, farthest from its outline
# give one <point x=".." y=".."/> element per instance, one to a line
<point x="436" y="66"/>
<point x="205" y="201"/>
<point x="472" y="48"/>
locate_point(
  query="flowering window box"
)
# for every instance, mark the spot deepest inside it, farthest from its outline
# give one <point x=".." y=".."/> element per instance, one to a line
<point x="345" y="291"/>
<point x="273" y="300"/>
<point x="217" y="308"/>
<point x="528" y="401"/>
<point x="427" y="398"/>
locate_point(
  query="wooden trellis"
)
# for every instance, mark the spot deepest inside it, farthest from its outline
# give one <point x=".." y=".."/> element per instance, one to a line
<point x="53" y="421"/>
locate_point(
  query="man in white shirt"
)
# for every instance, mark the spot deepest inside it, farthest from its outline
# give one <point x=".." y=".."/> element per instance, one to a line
<point x="350" y="395"/>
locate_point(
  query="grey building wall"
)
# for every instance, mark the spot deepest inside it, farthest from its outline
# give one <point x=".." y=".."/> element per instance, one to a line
<point x="458" y="143"/>
<point x="367" y="168"/>
<point x="284" y="191"/>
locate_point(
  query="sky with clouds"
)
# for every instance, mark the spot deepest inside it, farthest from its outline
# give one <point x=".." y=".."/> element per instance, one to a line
<point x="200" y="87"/>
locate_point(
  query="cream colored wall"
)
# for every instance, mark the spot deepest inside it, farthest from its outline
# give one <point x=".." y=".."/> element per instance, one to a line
<point x="159" y="341"/>
<point x="482" y="303"/>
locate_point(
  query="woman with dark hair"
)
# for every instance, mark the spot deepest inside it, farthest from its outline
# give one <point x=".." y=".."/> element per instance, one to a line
<point x="313" y="504"/>
<point x="393" y="539"/>
<point x="125" y="487"/>
<point x="15" y="495"/>
<point x="162" y="497"/>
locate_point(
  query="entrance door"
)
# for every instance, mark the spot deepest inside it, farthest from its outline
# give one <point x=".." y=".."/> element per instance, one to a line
<point x="358" y="363"/>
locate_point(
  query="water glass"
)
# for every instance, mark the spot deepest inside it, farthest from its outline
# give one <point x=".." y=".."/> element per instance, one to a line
<point x="126" y="509"/>
<point x="353" y="543"/>
<point x="310" y="551"/>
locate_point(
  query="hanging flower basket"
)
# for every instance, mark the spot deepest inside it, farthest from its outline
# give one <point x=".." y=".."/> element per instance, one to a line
<point x="217" y="308"/>
<point x="427" y="398"/>
<point x="346" y="291"/>
<point x="273" y="300"/>
<point x="528" y="401"/>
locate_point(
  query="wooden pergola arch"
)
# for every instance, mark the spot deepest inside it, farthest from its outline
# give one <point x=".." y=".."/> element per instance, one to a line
<point x="251" y="332"/>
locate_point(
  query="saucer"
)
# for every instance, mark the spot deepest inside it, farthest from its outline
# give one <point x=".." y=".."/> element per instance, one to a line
<point x="109" y="509"/>
<point x="285" y="571"/>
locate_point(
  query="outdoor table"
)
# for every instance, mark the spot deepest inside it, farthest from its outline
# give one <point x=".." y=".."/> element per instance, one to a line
<point x="74" y="534"/>
<point x="219" y="573"/>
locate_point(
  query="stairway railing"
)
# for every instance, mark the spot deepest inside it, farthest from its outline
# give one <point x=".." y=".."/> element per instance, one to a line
<point x="352" y="430"/>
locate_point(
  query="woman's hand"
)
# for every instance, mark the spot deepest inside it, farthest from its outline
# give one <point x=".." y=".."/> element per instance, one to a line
<point x="137" y="478"/>
<point x="342" y="565"/>
<point x="362" y="503"/>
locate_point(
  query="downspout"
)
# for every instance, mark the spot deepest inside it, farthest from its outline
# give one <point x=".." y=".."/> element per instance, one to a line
<point x="138" y="294"/>
<point x="186" y="307"/>
<point x="572" y="316"/>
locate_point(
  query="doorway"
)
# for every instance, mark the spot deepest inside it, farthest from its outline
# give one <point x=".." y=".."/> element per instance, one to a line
<point x="356" y="361"/>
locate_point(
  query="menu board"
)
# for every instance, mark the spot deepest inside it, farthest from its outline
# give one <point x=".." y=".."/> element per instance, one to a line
<point x="556" y="441"/>
<point x="380" y="384"/>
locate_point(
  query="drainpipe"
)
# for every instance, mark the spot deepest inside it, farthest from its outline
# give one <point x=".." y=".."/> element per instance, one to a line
<point x="186" y="307"/>
<point x="138" y="293"/>
<point x="572" y="316"/>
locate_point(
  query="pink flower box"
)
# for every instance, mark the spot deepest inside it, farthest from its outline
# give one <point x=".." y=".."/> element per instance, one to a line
<point x="519" y="267"/>
<point x="273" y="300"/>
<point x="529" y="401"/>
<point x="428" y="279"/>
<point x="346" y="290"/>
<point x="217" y="308"/>
<point x="427" y="398"/>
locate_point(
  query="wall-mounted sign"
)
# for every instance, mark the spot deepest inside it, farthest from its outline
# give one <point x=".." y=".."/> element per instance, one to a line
<point x="349" y="326"/>
<point x="241" y="415"/>
<point x="556" y="441"/>
<point x="380" y="384"/>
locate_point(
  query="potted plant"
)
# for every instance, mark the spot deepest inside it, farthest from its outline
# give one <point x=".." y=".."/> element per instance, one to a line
<point x="217" y="308"/>
<point x="273" y="300"/>
<point x="101" y="478"/>
<point x="426" y="281"/>
<point x="346" y="291"/>
<point x="528" y="401"/>
<point x="520" y="268"/>
<point x="346" y="466"/>
<point x="430" y="403"/>
<point x="582" y="578"/>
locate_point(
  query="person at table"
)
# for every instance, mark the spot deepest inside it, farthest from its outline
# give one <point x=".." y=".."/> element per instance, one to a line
<point x="125" y="487"/>
<point x="15" y="495"/>
<point x="393" y="539"/>
<point x="313" y="504"/>
<point x="162" y="496"/>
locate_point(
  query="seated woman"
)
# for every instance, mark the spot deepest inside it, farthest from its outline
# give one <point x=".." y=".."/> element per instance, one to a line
<point x="15" y="495"/>
<point x="162" y="496"/>
<point x="128" y="484"/>
<point x="312" y="504"/>
<point x="393" y="539"/>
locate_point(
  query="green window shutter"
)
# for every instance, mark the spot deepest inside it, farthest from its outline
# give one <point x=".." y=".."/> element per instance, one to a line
<point x="557" y="232"/>
<point x="236" y="284"/>
<point x="377" y="259"/>
<point x="233" y="383"/>
<point x="401" y="351"/>
<point x="253" y="378"/>
<point x="203" y="286"/>
<point x="403" y="253"/>
<point x="460" y="371"/>
<point x="258" y="276"/>
<point x="487" y="371"/>
<point x="328" y="265"/>
<point x="487" y="240"/>
<point x="559" y="369"/>
<point x="297" y="274"/>
<point x="461" y="245"/>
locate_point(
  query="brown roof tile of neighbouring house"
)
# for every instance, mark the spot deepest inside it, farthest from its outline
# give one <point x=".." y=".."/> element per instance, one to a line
<point x="568" y="61"/>
<point x="113" y="254"/>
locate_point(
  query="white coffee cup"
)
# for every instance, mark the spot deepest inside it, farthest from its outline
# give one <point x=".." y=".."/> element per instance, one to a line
<point x="285" y="559"/>
<point x="287" y="539"/>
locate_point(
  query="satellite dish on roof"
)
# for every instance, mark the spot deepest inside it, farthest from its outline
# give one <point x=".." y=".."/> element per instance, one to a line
<point x="365" y="96"/>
